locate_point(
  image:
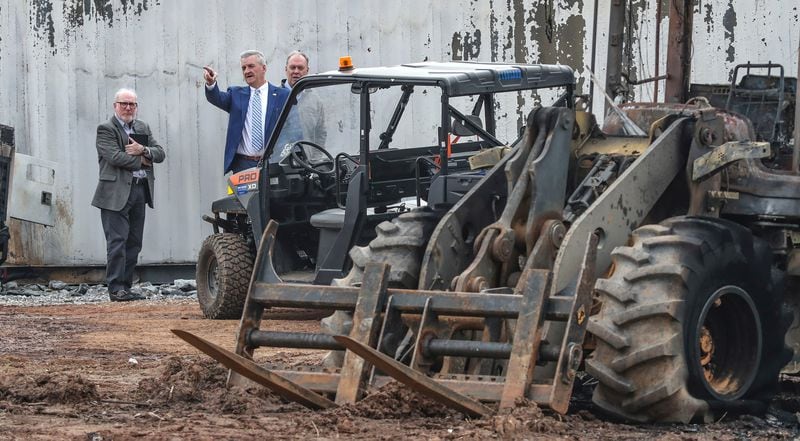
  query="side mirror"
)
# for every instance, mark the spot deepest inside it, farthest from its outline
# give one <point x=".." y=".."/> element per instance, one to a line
<point x="459" y="129"/>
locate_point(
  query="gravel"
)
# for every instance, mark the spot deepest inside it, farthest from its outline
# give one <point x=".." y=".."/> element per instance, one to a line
<point x="56" y="292"/>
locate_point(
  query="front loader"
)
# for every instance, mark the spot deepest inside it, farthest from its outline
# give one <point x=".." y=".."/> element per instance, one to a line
<point x="671" y="250"/>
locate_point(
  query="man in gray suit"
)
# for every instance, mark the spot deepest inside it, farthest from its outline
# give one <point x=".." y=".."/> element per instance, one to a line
<point x="126" y="185"/>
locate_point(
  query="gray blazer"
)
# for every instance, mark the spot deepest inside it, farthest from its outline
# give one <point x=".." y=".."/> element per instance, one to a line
<point x="116" y="166"/>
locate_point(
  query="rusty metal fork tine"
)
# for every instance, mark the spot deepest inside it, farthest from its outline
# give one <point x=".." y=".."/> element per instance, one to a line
<point x="249" y="369"/>
<point x="415" y="380"/>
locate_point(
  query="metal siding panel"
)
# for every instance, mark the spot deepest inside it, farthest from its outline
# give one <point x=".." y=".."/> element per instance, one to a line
<point x="738" y="31"/>
<point x="33" y="181"/>
<point x="61" y="66"/>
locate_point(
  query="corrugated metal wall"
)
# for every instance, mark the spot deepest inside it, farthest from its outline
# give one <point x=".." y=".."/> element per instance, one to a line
<point x="61" y="62"/>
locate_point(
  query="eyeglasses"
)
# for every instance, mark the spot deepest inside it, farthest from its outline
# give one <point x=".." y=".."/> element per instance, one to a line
<point x="127" y="104"/>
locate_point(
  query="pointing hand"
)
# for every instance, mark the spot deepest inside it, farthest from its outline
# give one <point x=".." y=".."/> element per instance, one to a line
<point x="209" y="75"/>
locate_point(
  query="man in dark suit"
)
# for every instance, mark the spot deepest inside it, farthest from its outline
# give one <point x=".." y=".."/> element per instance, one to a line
<point x="126" y="184"/>
<point x="253" y="110"/>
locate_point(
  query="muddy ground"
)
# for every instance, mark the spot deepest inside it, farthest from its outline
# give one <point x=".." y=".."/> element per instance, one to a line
<point x="108" y="371"/>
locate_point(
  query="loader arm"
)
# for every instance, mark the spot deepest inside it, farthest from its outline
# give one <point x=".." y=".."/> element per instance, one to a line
<point x="535" y="182"/>
<point x="624" y="205"/>
<point x="610" y="220"/>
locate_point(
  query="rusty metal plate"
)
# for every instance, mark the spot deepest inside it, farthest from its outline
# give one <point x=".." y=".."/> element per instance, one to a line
<point x="415" y="380"/>
<point x="727" y="153"/>
<point x="247" y="368"/>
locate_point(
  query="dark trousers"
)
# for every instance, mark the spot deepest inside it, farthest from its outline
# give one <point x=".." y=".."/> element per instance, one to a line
<point x="124" y="230"/>
<point x="241" y="163"/>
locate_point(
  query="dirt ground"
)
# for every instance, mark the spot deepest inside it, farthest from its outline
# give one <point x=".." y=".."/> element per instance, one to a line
<point x="115" y="371"/>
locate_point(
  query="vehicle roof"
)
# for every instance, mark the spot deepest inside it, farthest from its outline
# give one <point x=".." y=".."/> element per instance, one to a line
<point x="460" y="77"/>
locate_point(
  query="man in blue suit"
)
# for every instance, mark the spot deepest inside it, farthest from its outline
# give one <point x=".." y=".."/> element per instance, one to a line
<point x="253" y="110"/>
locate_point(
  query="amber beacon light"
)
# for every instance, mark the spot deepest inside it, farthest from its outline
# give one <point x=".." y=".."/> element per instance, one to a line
<point x="345" y="63"/>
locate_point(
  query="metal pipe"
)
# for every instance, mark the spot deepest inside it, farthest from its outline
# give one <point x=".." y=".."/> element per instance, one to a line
<point x="549" y="352"/>
<point x="645" y="80"/>
<point x="300" y="340"/>
<point x="466" y="348"/>
<point x="435" y="347"/>
<point x="616" y="25"/>
<point x="438" y="347"/>
<point x="679" y="49"/>
<point x="449" y="303"/>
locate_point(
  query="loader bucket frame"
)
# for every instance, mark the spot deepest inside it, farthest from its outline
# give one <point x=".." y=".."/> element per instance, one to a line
<point x="549" y="304"/>
<point x="531" y="324"/>
<point x="375" y="307"/>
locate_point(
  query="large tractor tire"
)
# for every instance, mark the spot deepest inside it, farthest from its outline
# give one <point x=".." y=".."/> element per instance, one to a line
<point x="691" y="323"/>
<point x="400" y="243"/>
<point x="224" y="266"/>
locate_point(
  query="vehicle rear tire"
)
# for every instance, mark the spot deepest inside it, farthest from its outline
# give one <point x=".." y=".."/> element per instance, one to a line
<point x="400" y="243"/>
<point x="691" y="323"/>
<point x="224" y="266"/>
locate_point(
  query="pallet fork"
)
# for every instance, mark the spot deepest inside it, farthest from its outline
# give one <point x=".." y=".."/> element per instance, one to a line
<point x="379" y="311"/>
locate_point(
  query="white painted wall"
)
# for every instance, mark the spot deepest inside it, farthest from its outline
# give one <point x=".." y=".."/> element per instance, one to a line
<point x="60" y="65"/>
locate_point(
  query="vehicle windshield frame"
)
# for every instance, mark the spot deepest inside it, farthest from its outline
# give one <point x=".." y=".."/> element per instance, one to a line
<point x="310" y="83"/>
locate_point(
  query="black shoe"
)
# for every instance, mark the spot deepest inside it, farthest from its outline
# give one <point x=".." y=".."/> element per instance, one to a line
<point x="124" y="296"/>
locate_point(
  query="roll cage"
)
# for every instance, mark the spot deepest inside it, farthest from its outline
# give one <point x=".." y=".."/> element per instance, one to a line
<point x="454" y="79"/>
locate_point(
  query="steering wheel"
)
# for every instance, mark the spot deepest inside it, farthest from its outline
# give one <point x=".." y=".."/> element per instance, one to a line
<point x="313" y="167"/>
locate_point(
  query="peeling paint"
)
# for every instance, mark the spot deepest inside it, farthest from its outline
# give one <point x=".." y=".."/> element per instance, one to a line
<point x="74" y="12"/>
<point x="570" y="36"/>
<point x="494" y="43"/>
<point x="104" y="10"/>
<point x="37" y="31"/>
<point x="466" y="46"/>
<point x="632" y="46"/>
<point x="537" y="21"/>
<point x="521" y="47"/>
<point x="708" y="19"/>
<point x="729" y="23"/>
<point x="41" y="19"/>
<point x="77" y="12"/>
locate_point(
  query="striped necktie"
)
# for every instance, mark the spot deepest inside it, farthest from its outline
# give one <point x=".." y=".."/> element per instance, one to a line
<point x="257" y="127"/>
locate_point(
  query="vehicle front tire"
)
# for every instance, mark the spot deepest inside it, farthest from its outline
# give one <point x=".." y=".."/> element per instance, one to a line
<point x="224" y="266"/>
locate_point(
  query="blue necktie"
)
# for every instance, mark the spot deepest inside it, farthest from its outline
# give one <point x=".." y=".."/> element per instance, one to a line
<point x="257" y="137"/>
